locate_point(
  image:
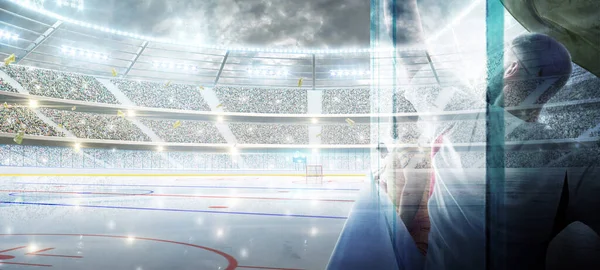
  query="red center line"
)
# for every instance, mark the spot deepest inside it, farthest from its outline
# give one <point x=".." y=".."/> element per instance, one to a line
<point x="51" y="255"/>
<point x="7" y="250"/>
<point x="26" y="264"/>
<point x="33" y="253"/>
<point x="179" y="195"/>
<point x="262" y="267"/>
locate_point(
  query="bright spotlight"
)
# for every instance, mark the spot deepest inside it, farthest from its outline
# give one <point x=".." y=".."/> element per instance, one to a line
<point x="314" y="120"/>
<point x="160" y="148"/>
<point x="220" y="119"/>
<point x="131" y="113"/>
<point x="77" y="146"/>
<point x="33" y="103"/>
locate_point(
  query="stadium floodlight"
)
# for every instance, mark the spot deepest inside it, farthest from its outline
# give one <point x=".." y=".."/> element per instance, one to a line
<point x="345" y="73"/>
<point x="83" y="53"/>
<point x="8" y="35"/>
<point x="33" y="103"/>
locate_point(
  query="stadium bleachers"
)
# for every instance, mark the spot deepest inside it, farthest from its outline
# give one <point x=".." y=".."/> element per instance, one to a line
<point x="96" y="126"/>
<point x="163" y="95"/>
<point x="57" y="84"/>
<point x="257" y="100"/>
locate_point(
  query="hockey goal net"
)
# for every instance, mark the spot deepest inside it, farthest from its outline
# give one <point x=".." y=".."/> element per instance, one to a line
<point x="314" y="174"/>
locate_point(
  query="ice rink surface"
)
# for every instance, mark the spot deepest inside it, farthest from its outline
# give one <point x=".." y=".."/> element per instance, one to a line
<point x="144" y="223"/>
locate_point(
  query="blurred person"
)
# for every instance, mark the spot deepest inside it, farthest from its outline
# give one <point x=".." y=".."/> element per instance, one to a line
<point x="538" y="206"/>
<point x="537" y="203"/>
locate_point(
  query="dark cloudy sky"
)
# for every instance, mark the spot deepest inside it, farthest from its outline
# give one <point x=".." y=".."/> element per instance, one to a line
<point x="273" y="23"/>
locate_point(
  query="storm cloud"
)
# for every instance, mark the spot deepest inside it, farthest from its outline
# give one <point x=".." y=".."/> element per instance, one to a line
<point x="272" y="23"/>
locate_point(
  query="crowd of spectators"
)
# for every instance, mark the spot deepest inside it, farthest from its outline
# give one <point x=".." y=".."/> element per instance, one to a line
<point x="262" y="100"/>
<point x="532" y="159"/>
<point x="581" y="87"/>
<point x="409" y="133"/>
<point x="462" y="101"/>
<point x="270" y="133"/>
<point x="423" y="98"/>
<point x="345" y="134"/>
<point x="96" y="126"/>
<point x="559" y="123"/>
<point x="163" y="95"/>
<point x="6" y="87"/>
<point x="186" y="132"/>
<point x="515" y="92"/>
<point x="346" y="101"/>
<point x="383" y="97"/>
<point x="16" y="118"/>
<point x="63" y="85"/>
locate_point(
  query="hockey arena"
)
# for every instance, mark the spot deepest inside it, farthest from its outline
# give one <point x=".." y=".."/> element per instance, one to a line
<point x="126" y="150"/>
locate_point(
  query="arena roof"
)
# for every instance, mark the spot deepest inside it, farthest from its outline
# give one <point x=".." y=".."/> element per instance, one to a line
<point x="52" y="41"/>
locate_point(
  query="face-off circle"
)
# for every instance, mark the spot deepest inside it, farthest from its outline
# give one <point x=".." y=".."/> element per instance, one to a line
<point x="111" y="251"/>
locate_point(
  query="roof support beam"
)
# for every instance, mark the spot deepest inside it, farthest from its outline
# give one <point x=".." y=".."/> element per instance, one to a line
<point x="135" y="58"/>
<point x="38" y="41"/>
<point x="221" y="68"/>
<point x="432" y="67"/>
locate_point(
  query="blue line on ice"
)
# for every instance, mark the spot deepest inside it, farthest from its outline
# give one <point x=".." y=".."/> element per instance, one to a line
<point x="173" y="210"/>
<point x="168" y="186"/>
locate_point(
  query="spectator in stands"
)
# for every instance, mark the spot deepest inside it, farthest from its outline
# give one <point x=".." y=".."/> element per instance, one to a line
<point x="188" y="132"/>
<point x="5" y="86"/>
<point x="61" y="85"/>
<point x="96" y="126"/>
<point x="163" y="95"/>
<point x="262" y="100"/>
<point x="17" y="118"/>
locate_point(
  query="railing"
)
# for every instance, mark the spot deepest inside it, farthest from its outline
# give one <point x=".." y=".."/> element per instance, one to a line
<point x="99" y="158"/>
